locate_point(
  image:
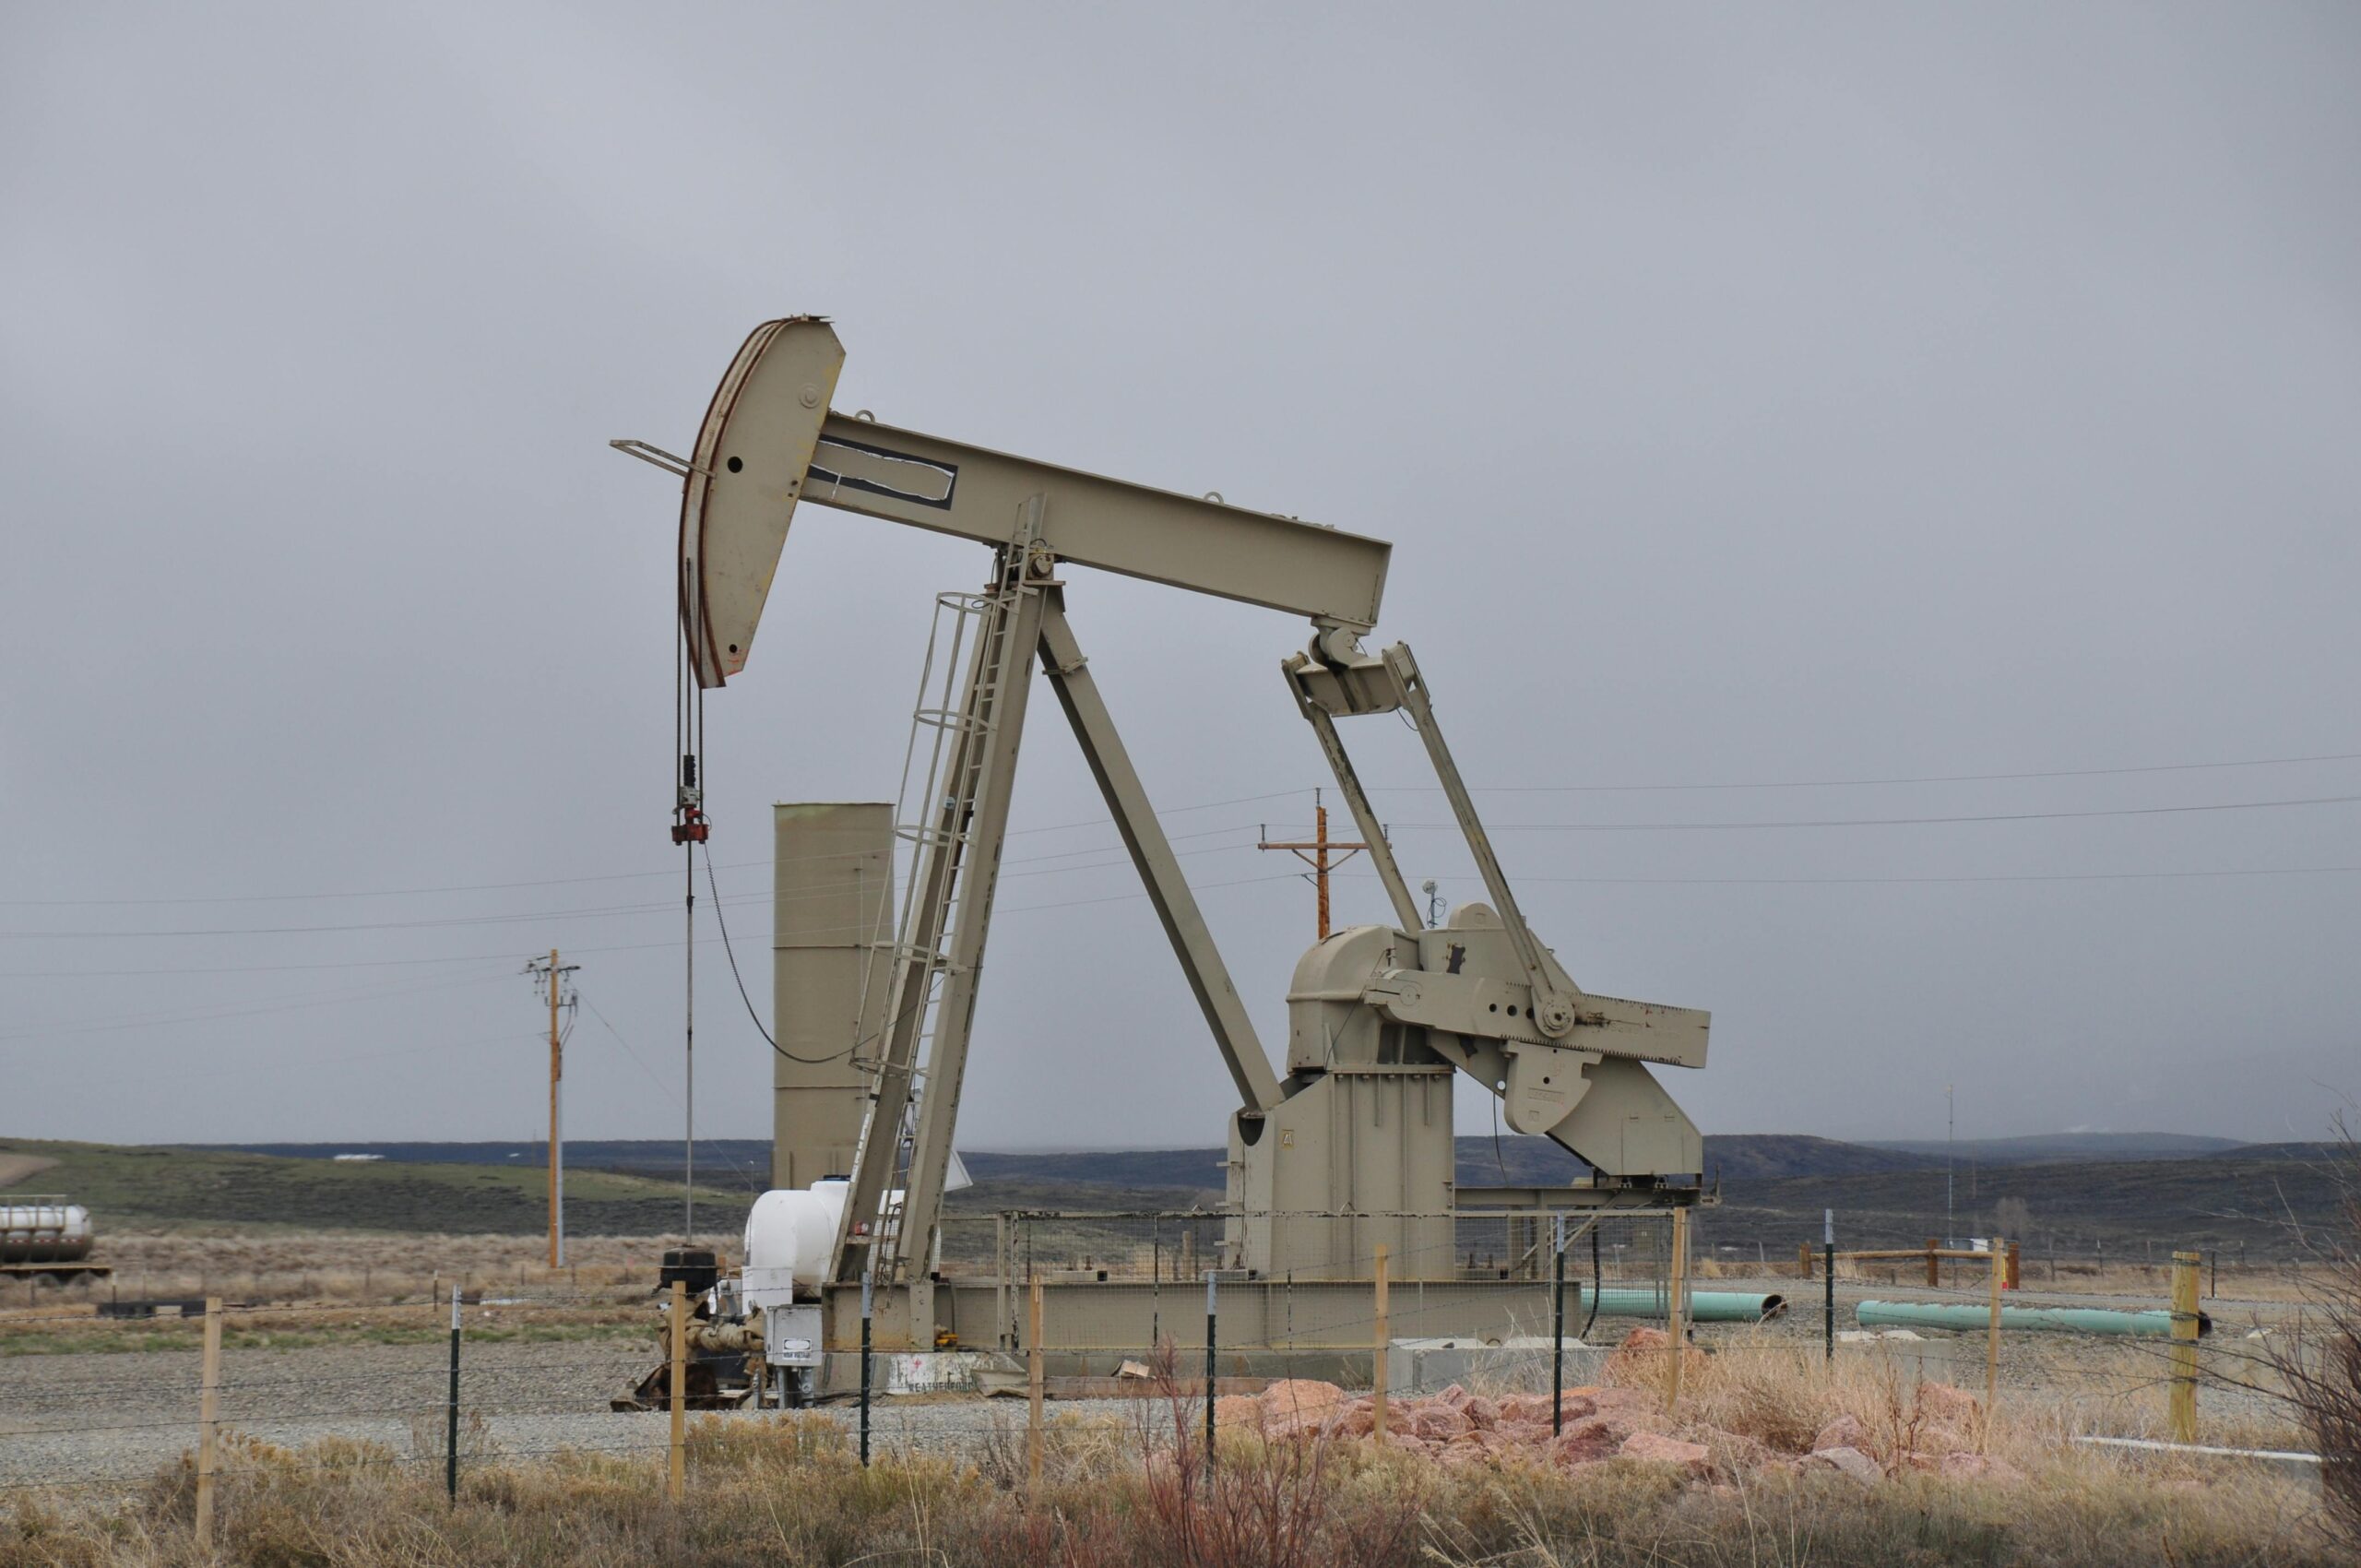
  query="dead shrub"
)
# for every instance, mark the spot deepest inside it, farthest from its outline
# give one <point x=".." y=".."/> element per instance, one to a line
<point x="2319" y="1362"/>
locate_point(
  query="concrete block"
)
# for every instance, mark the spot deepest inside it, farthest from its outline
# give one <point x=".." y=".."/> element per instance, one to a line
<point x="1518" y="1363"/>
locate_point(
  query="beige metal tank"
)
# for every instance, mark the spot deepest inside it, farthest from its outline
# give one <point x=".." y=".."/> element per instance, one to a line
<point x="833" y="881"/>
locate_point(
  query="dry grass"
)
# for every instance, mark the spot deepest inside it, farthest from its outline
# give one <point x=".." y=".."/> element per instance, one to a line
<point x="333" y="1286"/>
<point x="351" y="1265"/>
<point x="2289" y="1282"/>
<point x="787" y="1489"/>
<point x="2320" y="1361"/>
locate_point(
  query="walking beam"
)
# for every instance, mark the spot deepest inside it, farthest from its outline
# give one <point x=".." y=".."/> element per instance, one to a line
<point x="769" y="440"/>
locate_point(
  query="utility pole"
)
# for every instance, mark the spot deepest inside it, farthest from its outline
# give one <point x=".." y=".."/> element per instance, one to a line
<point x="1951" y="1133"/>
<point x="560" y="995"/>
<point x="1317" y="857"/>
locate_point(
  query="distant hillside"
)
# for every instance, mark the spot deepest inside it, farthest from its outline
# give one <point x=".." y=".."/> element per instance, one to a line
<point x="1187" y="1169"/>
<point x="744" y="1163"/>
<point x="736" y="1163"/>
<point x="130" y="1187"/>
<point x="1511" y="1161"/>
<point x="2053" y="1148"/>
<point x="2252" y="1200"/>
<point x="2338" y="1156"/>
<point x="2133" y="1208"/>
<point x="1752" y="1157"/>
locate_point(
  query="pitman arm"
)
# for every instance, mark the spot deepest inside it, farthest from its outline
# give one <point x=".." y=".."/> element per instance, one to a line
<point x="1565" y="1063"/>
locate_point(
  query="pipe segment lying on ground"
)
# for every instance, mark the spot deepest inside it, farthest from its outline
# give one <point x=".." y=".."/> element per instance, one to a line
<point x="2068" y="1320"/>
<point x="1704" y="1306"/>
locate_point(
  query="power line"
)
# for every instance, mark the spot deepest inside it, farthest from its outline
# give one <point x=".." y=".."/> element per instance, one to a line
<point x="1865" y="783"/>
<point x="652" y="1076"/>
<point x="1912" y="881"/>
<point x="633" y="876"/>
<point x="317" y="1060"/>
<point x="1406" y="826"/>
<point x="510" y="957"/>
<point x="528" y="916"/>
<point x="1250" y="800"/>
<point x="1875" y="821"/>
<point x="240" y="1010"/>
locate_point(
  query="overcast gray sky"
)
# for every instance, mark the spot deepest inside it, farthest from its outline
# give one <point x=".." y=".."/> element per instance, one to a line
<point x="1754" y="398"/>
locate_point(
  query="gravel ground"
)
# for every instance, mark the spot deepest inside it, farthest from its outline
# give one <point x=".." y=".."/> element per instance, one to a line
<point x="77" y="1419"/>
<point x="67" y="1419"/>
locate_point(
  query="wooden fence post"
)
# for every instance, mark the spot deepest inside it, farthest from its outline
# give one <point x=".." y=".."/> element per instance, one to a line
<point x="1934" y="1263"/>
<point x="208" y="1412"/>
<point x="2185" y="1325"/>
<point x="1803" y="1260"/>
<point x="676" y="1477"/>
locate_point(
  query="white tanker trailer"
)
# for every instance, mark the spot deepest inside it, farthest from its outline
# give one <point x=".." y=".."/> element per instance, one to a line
<point x="44" y="1229"/>
<point x="41" y="1233"/>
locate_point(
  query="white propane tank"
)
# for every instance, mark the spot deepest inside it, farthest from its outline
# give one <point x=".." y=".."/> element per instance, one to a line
<point x="790" y="1236"/>
<point x="43" y="1230"/>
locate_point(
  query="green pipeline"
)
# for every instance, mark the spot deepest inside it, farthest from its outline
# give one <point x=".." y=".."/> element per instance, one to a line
<point x="2064" y="1319"/>
<point x="1704" y="1306"/>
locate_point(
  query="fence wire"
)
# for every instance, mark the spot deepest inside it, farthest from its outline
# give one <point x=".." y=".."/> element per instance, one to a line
<point x="351" y="1386"/>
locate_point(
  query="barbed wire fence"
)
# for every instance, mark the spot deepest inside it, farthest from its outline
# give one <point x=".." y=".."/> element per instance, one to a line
<point x="451" y="1377"/>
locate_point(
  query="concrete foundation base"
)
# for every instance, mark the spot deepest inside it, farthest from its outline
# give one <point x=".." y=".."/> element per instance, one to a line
<point x="1520" y="1364"/>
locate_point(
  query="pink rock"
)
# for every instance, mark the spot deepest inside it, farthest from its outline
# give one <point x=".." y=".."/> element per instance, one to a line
<point x="1525" y="1407"/>
<point x="1483" y="1412"/>
<point x="1306" y="1424"/>
<point x="1979" y="1467"/>
<point x="1440" y="1421"/>
<point x="1294" y="1395"/>
<point x="1528" y="1433"/>
<point x="1454" y="1396"/>
<point x="1622" y="1398"/>
<point x="1239" y="1410"/>
<point x="1941" y="1402"/>
<point x="1356" y="1420"/>
<point x="1630" y="1410"/>
<point x="1733" y="1452"/>
<point x="1657" y="1448"/>
<point x="1584" y="1442"/>
<point x="1640" y="1359"/>
<point x="1846" y="1461"/>
<point x="1844" y="1432"/>
<point x="1464" y="1451"/>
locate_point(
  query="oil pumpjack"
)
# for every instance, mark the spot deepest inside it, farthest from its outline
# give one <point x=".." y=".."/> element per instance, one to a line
<point x="1353" y="1147"/>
